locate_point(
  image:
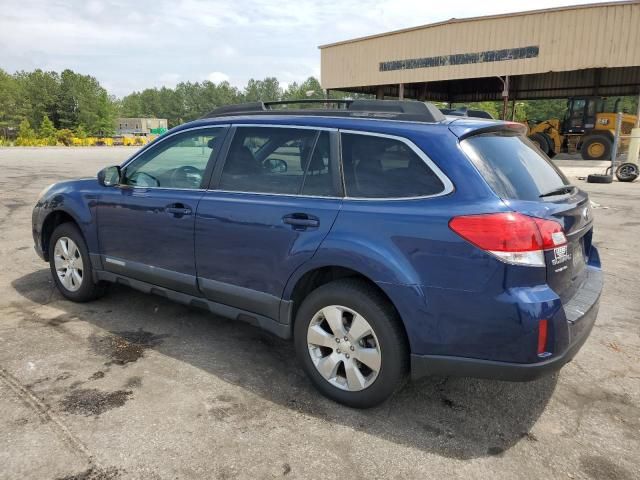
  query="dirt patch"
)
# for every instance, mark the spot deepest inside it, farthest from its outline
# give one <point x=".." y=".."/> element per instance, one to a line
<point x="447" y="402"/>
<point x="134" y="382"/>
<point x="495" y="451"/>
<point x="94" y="473"/>
<point x="21" y="421"/>
<point x="228" y="408"/>
<point x="97" y="375"/>
<point x="15" y="205"/>
<point x="61" y="320"/>
<point x="598" y="467"/>
<point x="125" y="347"/>
<point x="94" y="402"/>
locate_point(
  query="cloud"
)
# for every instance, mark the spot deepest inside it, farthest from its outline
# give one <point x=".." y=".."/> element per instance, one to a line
<point x="94" y="7"/>
<point x="162" y="42"/>
<point x="218" y="77"/>
<point x="169" y="79"/>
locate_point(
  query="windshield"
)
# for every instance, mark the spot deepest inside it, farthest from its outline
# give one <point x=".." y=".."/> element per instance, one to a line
<point x="512" y="166"/>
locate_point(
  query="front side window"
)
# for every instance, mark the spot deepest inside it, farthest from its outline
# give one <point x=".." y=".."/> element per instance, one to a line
<point x="178" y="162"/>
<point x="379" y="167"/>
<point x="289" y="161"/>
<point x="577" y="114"/>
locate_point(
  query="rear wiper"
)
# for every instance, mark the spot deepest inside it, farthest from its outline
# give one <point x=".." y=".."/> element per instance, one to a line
<point x="559" y="191"/>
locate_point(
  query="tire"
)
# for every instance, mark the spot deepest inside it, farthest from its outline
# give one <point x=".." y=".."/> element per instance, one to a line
<point x="85" y="289"/>
<point x="599" y="178"/>
<point x="542" y="141"/>
<point x="627" y="172"/>
<point x="352" y="299"/>
<point x="596" y="147"/>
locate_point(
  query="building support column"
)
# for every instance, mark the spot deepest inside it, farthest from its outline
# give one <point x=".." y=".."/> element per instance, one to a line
<point x="637" y="125"/>
<point x="380" y="92"/>
<point x="401" y="91"/>
<point x="505" y="96"/>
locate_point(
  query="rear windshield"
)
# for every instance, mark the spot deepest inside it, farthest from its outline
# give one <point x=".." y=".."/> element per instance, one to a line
<point x="513" y="167"/>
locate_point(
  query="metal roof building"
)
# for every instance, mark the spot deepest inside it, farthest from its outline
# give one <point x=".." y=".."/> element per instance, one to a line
<point x="553" y="53"/>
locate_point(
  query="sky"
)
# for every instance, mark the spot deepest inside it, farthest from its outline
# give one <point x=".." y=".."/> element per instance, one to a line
<point x="132" y="45"/>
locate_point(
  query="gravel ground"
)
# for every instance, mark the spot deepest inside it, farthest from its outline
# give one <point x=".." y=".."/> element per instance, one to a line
<point x="133" y="386"/>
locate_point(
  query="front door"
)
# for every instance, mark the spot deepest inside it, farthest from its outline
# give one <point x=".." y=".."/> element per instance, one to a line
<point x="274" y="202"/>
<point x="145" y="225"/>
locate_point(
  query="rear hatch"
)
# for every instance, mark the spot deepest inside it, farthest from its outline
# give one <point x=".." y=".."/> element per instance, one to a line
<point x="529" y="183"/>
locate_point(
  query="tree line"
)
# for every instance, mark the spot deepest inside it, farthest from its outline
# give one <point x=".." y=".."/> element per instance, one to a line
<point x="40" y="103"/>
<point x="189" y="101"/>
<point x="57" y="106"/>
<point x="43" y="104"/>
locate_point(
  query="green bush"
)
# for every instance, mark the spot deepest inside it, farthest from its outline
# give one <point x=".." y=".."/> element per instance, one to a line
<point x="65" y="137"/>
<point x="81" y="132"/>
<point x="26" y="134"/>
<point x="47" y="130"/>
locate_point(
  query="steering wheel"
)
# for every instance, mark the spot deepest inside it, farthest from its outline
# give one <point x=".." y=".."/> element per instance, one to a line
<point x="182" y="174"/>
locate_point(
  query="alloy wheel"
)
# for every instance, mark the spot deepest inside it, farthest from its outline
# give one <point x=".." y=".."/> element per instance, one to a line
<point x="344" y="348"/>
<point x="68" y="264"/>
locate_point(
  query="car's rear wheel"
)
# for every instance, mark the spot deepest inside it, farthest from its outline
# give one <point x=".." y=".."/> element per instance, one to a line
<point x="70" y="265"/>
<point x="351" y="343"/>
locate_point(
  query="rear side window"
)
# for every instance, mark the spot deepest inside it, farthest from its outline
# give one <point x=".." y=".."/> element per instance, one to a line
<point x="279" y="161"/>
<point x="379" y="167"/>
<point x="512" y="166"/>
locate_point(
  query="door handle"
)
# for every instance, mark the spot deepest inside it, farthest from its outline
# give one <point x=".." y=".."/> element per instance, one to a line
<point x="177" y="209"/>
<point x="301" y="221"/>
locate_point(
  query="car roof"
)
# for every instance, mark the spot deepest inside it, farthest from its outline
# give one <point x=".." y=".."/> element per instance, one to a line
<point x="378" y="125"/>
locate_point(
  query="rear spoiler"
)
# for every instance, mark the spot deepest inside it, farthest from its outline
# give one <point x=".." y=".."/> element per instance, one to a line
<point x="466" y="130"/>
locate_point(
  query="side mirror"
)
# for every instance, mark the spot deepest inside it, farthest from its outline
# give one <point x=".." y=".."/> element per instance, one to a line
<point x="275" y="165"/>
<point x="109" y="176"/>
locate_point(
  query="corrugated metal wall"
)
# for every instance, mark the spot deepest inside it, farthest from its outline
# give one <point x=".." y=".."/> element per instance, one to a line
<point x="586" y="37"/>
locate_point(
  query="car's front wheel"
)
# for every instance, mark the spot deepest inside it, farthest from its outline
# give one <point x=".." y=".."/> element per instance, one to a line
<point x="70" y="265"/>
<point x="351" y="343"/>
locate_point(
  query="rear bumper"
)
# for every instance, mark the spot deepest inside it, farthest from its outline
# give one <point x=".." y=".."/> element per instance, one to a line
<point x="581" y="312"/>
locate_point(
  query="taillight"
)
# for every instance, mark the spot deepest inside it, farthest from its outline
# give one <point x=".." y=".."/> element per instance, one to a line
<point x="511" y="236"/>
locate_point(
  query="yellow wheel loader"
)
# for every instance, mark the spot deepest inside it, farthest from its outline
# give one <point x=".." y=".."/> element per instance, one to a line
<point x="586" y="127"/>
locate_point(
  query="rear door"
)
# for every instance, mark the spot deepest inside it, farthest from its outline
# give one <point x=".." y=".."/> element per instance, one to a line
<point x="530" y="183"/>
<point x="272" y="202"/>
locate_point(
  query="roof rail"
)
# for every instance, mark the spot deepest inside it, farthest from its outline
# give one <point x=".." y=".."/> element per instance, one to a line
<point x="409" y="110"/>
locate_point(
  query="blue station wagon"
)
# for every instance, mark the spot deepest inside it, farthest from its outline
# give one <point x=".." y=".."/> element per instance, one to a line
<point x="384" y="238"/>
